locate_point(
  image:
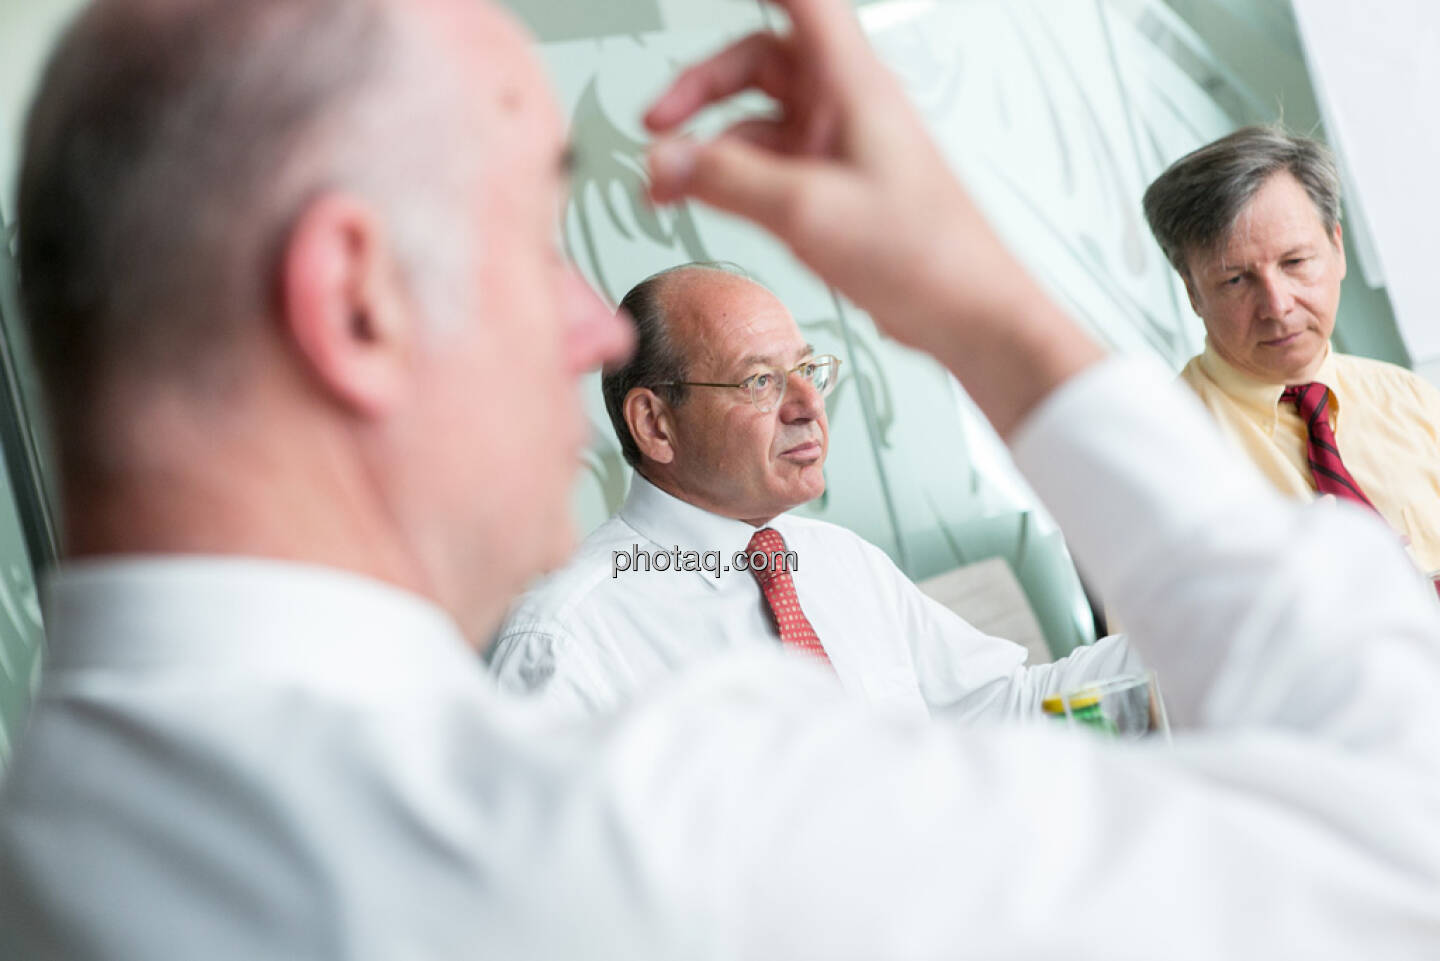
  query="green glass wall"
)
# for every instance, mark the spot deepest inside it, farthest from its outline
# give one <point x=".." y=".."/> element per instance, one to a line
<point x="1056" y="112"/>
<point x="24" y="517"/>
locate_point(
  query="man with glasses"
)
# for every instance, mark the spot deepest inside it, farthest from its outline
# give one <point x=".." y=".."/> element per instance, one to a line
<point x="261" y="731"/>
<point x="721" y="413"/>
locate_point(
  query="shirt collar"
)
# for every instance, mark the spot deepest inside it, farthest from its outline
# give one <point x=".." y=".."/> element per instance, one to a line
<point x="1261" y="397"/>
<point x="243" y="614"/>
<point x="667" y="521"/>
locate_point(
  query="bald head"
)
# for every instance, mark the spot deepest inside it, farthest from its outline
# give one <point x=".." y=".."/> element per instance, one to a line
<point x="655" y="305"/>
<point x="694" y="297"/>
<point x="170" y="149"/>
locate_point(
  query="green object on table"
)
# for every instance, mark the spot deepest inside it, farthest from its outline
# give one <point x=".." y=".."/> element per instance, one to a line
<point x="1084" y="710"/>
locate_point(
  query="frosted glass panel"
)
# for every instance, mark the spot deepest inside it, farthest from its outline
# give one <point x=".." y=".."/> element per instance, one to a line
<point x="20" y="630"/>
<point x="1057" y="114"/>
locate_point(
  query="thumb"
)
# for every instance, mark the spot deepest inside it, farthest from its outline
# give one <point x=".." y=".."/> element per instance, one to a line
<point x="736" y="176"/>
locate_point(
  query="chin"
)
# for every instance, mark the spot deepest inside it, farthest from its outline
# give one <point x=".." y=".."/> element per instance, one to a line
<point x="1296" y="367"/>
<point x="806" y="492"/>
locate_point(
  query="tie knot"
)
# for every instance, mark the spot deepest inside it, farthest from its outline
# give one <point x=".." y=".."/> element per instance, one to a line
<point x="1306" y="397"/>
<point x="767" y="541"/>
<point x="1293" y="391"/>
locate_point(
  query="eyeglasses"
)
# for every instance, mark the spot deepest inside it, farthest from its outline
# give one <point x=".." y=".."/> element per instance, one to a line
<point x="767" y="388"/>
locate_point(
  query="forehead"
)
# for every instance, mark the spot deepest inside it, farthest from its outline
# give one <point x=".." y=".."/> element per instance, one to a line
<point x="506" y="94"/>
<point x="1280" y="217"/>
<point x="723" y="318"/>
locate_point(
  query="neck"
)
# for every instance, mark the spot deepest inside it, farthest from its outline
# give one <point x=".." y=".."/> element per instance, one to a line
<point x="195" y="511"/>
<point x="672" y="485"/>
<point x="1303" y="376"/>
<point x="1312" y="370"/>
<point x="290" y="489"/>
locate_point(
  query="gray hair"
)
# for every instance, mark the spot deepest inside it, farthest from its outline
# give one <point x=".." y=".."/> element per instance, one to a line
<point x="167" y="154"/>
<point x="657" y="358"/>
<point x="1193" y="204"/>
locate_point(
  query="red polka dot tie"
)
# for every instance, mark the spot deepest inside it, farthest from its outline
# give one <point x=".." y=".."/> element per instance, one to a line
<point x="773" y="575"/>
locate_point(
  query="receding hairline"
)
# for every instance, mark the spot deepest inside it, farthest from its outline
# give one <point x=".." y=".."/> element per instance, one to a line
<point x="676" y="281"/>
<point x="678" y="299"/>
<point x="705" y="328"/>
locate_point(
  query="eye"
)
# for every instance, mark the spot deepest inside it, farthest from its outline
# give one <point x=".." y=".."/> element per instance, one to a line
<point x="758" y="380"/>
<point x="1232" y="281"/>
<point x="807" y="369"/>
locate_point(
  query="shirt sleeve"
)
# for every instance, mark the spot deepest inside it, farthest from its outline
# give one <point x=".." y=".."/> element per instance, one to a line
<point x="538" y="659"/>
<point x="1256" y="611"/>
<point x="965" y="674"/>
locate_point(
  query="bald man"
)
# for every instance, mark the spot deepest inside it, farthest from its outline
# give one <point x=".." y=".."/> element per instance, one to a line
<point x="721" y="412"/>
<point x="297" y="491"/>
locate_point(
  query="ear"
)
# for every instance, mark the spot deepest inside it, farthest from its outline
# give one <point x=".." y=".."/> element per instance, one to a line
<point x="343" y="307"/>
<point x="650" y="423"/>
<point x="1339" y="240"/>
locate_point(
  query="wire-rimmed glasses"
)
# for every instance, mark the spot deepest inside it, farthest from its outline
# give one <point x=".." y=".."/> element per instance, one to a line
<point x="767" y="387"/>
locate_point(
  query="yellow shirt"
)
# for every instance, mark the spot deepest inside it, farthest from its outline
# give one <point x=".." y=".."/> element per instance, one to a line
<point x="1387" y="426"/>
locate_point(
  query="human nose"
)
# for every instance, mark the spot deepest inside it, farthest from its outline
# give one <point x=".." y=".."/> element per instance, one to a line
<point x="1276" y="297"/>
<point x="802" y="401"/>
<point x="594" y="335"/>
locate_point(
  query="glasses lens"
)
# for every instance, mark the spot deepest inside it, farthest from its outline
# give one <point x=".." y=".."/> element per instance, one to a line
<point x="821" y="373"/>
<point x="765" y="390"/>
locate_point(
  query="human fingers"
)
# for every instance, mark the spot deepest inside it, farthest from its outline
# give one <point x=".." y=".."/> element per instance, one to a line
<point x="779" y="192"/>
<point x="767" y="134"/>
<point x="757" y="61"/>
<point x="826" y="30"/>
<point x="813" y="135"/>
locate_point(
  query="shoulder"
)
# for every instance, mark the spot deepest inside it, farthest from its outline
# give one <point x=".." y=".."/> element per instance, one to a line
<point x="556" y="595"/>
<point x="1353" y="365"/>
<point x="834" y="546"/>
<point x="554" y="608"/>
<point x="1193" y="376"/>
<point x="818" y="535"/>
<point x="1192" y="371"/>
<point x="1393" y="381"/>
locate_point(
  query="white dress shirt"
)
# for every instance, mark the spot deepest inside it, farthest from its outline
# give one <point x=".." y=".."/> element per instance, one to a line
<point x="588" y="637"/>
<point x="239" y="759"/>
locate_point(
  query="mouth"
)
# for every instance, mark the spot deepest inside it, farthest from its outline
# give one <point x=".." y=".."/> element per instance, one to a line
<point x="808" y="451"/>
<point x="1285" y="341"/>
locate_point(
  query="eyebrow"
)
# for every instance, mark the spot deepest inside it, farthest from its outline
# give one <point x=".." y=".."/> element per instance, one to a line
<point x="1224" y="268"/>
<point x="756" y="359"/>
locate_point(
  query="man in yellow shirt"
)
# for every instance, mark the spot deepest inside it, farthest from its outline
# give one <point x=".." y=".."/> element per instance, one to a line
<point x="1252" y="224"/>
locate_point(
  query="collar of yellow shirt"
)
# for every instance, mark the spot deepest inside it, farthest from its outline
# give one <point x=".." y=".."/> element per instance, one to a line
<point x="1263" y="398"/>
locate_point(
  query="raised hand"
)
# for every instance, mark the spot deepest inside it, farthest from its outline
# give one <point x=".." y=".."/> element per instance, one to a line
<point x="849" y="178"/>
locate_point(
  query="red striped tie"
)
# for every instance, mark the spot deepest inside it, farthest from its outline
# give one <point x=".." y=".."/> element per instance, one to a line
<point x="779" y="590"/>
<point x="1331" y="477"/>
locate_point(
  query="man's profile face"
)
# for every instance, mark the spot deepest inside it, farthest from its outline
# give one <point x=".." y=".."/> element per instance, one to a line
<point x="1269" y="293"/>
<point x="731" y="458"/>
<point x="502" y="425"/>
